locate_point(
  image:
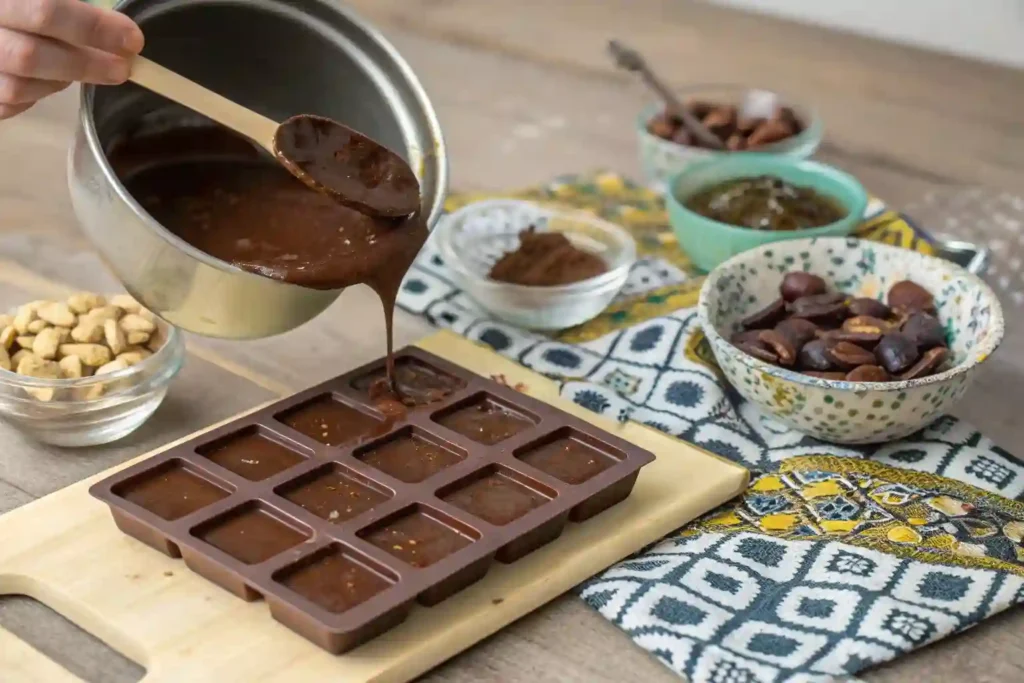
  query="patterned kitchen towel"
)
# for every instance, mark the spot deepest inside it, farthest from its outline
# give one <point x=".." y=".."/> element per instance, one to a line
<point x="836" y="558"/>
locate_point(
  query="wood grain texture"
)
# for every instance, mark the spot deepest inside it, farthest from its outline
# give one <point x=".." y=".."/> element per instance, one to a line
<point x="524" y="92"/>
<point x="65" y="551"/>
<point x="25" y="664"/>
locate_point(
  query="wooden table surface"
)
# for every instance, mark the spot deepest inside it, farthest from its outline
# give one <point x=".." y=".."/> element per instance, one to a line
<point x="525" y="92"/>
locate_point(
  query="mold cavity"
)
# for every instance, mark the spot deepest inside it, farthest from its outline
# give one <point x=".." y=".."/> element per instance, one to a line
<point x="496" y="495"/>
<point x="420" y="383"/>
<point x="329" y="421"/>
<point x="171" y="490"/>
<point x="485" y="419"/>
<point x="419" y="536"/>
<point x="336" y="578"/>
<point x="250" y="533"/>
<point x="408" y="456"/>
<point x="251" y="454"/>
<point x="569" y="456"/>
<point x="334" y="493"/>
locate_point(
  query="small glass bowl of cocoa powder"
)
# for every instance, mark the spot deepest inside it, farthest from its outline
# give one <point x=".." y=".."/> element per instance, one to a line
<point x="534" y="266"/>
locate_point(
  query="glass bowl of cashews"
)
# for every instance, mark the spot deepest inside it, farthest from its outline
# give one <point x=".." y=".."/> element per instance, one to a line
<point x="86" y="370"/>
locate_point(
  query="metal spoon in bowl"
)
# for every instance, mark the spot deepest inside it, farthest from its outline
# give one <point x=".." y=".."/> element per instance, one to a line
<point x="629" y="59"/>
<point x="327" y="156"/>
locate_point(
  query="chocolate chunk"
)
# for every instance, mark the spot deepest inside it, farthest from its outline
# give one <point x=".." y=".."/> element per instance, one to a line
<point x="799" y="284"/>
<point x="661" y="126"/>
<point x="820" y="307"/>
<point x="759" y="352"/>
<point x="746" y="337"/>
<point x="862" y="305"/>
<point x="896" y="353"/>
<point x="868" y="373"/>
<point x="797" y="330"/>
<point x="814" y="356"/>
<point x="736" y="143"/>
<point x="925" y="331"/>
<point x="864" y="339"/>
<point x="866" y="324"/>
<point x="769" y="132"/>
<point x="910" y="296"/>
<point x="747" y="125"/>
<point x="767" y="316"/>
<point x="847" y="355"/>
<point x="721" y="121"/>
<point x="700" y="108"/>
<point x="928" y="364"/>
<point x="781" y="345"/>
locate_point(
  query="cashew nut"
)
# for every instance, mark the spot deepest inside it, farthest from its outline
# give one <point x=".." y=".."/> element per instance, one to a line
<point x="114" y="336"/>
<point x="88" y="332"/>
<point x="7" y="337"/>
<point x="45" y="344"/>
<point x="83" y="302"/>
<point x="71" y="367"/>
<point x="93" y="355"/>
<point x="25" y="315"/>
<point x="133" y="322"/>
<point x="57" y="313"/>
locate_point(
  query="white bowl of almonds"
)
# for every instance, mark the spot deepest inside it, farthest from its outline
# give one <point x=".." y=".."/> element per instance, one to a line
<point x="84" y="371"/>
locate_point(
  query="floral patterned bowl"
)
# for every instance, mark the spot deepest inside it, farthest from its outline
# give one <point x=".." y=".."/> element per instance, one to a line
<point x="840" y="411"/>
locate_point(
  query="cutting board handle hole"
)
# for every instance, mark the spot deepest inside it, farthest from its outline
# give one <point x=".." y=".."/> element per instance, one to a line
<point x="81" y="653"/>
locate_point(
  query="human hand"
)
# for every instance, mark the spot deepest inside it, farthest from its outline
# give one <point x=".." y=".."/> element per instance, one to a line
<point x="47" y="44"/>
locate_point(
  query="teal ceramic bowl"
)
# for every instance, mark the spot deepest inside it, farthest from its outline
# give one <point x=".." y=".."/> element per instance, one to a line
<point x="709" y="243"/>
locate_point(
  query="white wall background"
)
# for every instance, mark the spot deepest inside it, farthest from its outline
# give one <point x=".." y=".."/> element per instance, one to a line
<point x="992" y="30"/>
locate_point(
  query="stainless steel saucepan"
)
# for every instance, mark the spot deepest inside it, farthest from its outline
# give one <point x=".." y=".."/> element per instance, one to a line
<point x="279" y="57"/>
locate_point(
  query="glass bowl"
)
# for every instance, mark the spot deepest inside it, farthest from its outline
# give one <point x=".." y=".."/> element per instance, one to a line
<point x="91" y="410"/>
<point x="709" y="242"/>
<point x="473" y="238"/>
<point x="661" y="159"/>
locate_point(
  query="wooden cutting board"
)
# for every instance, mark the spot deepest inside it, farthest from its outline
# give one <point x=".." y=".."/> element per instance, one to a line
<point x="65" y="551"/>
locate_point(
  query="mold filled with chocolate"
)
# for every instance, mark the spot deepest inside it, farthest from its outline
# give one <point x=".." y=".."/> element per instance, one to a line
<point x="409" y="457"/>
<point x="496" y="496"/>
<point x="330" y="421"/>
<point x="419" y="536"/>
<point x="252" y="455"/>
<point x="484" y="420"/>
<point x="375" y="511"/>
<point x="567" y="457"/>
<point x="171" y="491"/>
<point x="335" y="580"/>
<point x="250" y="534"/>
<point x="334" y="493"/>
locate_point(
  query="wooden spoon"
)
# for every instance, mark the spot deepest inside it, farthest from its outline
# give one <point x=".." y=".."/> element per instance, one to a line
<point x="326" y="155"/>
<point x="631" y="60"/>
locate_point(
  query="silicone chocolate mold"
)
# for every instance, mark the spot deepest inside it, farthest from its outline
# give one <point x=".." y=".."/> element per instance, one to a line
<point x="342" y="512"/>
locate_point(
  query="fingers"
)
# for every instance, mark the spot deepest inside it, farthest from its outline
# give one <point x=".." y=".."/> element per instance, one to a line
<point x="39" y="58"/>
<point x="9" y="110"/>
<point x="73" y="22"/>
<point x="15" y="90"/>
